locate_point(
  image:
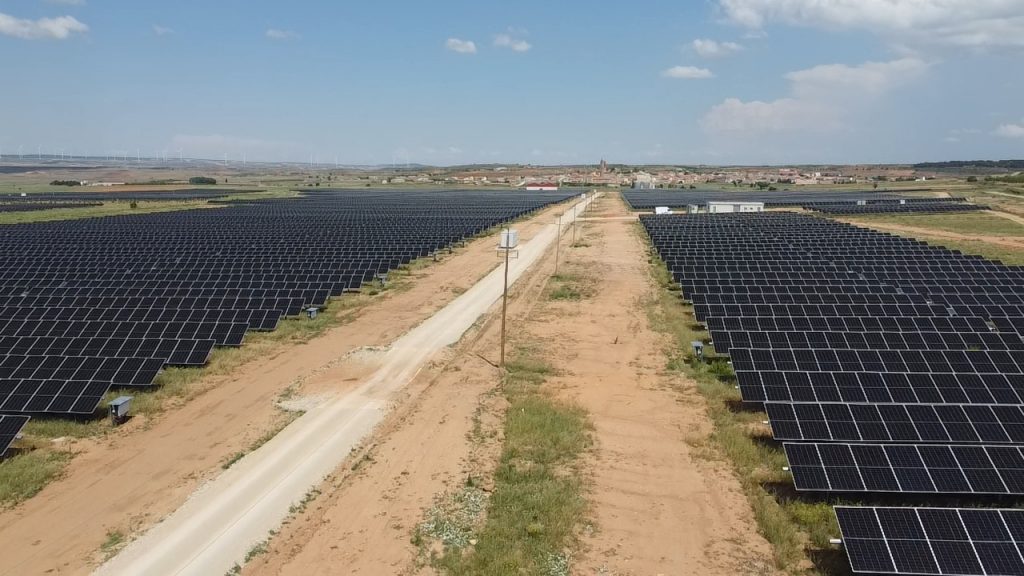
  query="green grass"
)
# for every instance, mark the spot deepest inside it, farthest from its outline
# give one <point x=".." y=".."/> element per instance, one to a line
<point x="793" y="527"/>
<point x="975" y="223"/>
<point x="1005" y="254"/>
<point x="571" y="285"/>
<point x="257" y="550"/>
<point x="22" y="476"/>
<point x="115" y="539"/>
<point x="538" y="498"/>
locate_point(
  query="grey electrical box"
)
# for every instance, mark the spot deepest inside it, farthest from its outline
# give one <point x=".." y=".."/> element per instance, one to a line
<point x="509" y="239"/>
<point x="698" y="348"/>
<point x="312" y="312"/>
<point x="119" y="408"/>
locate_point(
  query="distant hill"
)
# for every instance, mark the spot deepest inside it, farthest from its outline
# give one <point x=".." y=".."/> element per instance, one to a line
<point x="972" y="164"/>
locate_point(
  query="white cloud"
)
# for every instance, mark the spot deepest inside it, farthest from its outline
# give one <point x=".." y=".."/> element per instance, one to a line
<point x="67" y="2"/>
<point x="514" y="44"/>
<point x="1010" y="130"/>
<point x="49" y="28"/>
<point x="711" y="49"/>
<point x="970" y="23"/>
<point x="162" y="30"/>
<point x="460" y="46"/>
<point x="869" y="78"/>
<point x="278" y="34"/>
<point x="687" y="73"/>
<point x="821" y="98"/>
<point x="782" y="115"/>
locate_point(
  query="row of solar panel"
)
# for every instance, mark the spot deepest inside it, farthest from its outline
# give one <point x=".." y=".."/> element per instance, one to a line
<point x="870" y="409"/>
<point x="90" y="304"/>
<point x="881" y="387"/>
<point x="926" y="208"/>
<point x="724" y="341"/>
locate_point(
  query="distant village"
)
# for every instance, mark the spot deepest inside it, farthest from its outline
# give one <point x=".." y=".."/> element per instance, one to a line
<point x="670" y="177"/>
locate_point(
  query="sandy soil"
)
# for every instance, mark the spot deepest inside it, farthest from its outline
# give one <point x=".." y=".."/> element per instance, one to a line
<point x="133" y="477"/>
<point x="370" y="506"/>
<point x="658" y="508"/>
<point x="1007" y="215"/>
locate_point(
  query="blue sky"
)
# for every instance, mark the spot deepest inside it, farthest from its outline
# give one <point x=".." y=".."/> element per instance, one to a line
<point x="449" y="82"/>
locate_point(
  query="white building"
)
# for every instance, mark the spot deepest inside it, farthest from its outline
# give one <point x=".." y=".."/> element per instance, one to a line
<point x="729" y="207"/>
<point x="644" y="181"/>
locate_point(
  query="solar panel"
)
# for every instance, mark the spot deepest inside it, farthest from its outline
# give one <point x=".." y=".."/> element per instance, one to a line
<point x="906" y="423"/>
<point x="939" y="541"/>
<point x="909" y="468"/>
<point x="888" y="365"/>
<point x="51" y="396"/>
<point x="881" y="387"/>
<point x="10" y="427"/>
<point x="94" y="303"/>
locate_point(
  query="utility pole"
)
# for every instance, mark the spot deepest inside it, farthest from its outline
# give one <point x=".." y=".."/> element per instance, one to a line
<point x="509" y="240"/>
<point x="504" y="310"/>
<point x="574" y="207"/>
<point x="558" y="241"/>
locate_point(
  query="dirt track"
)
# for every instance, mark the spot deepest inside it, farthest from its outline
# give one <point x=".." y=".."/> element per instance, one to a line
<point x="658" y="508"/>
<point x="220" y="523"/>
<point x="135" y="476"/>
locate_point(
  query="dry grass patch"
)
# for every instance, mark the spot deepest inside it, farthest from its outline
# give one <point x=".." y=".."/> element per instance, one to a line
<point x="798" y="529"/>
<point x="538" y="499"/>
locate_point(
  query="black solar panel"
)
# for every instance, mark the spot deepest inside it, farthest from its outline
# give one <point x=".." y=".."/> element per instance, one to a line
<point x="886" y="364"/>
<point x="10" y="427"/>
<point x="881" y="387"/>
<point x="51" y="396"/>
<point x="99" y="302"/>
<point x="940" y="541"/>
<point x="911" y="468"/>
<point x="907" y="423"/>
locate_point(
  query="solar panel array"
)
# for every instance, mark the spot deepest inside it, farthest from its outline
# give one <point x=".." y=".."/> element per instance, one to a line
<point x="90" y="304"/>
<point x="889" y="208"/>
<point x="126" y="196"/>
<point x="648" y="199"/>
<point x="40" y="206"/>
<point x="884" y="365"/>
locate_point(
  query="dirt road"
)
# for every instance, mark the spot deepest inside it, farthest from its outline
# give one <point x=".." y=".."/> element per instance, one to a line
<point x="659" y="506"/>
<point x="220" y="523"/>
<point x="131" y="478"/>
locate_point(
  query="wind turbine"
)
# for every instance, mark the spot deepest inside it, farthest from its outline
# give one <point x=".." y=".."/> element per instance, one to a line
<point x="20" y="155"/>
